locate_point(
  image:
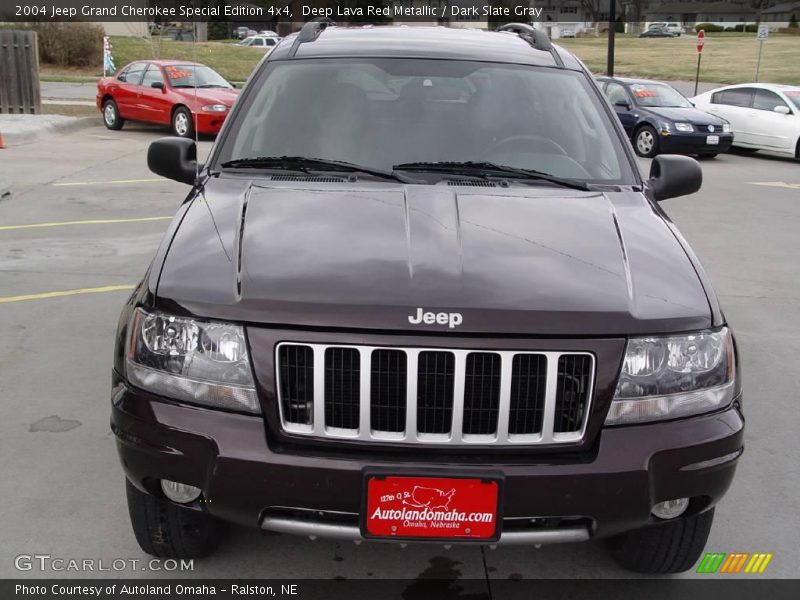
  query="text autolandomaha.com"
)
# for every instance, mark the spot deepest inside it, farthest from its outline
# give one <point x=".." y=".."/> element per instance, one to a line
<point x="73" y="591"/>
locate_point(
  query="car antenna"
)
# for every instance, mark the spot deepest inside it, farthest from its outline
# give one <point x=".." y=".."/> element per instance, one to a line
<point x="310" y="32"/>
<point x="535" y="37"/>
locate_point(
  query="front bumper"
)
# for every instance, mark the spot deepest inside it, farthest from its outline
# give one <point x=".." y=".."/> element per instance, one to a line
<point x="248" y="480"/>
<point x="209" y="122"/>
<point x="695" y="143"/>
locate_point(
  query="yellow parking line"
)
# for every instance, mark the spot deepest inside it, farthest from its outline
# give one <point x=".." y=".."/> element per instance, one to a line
<point x="97" y="290"/>
<point x="107" y="182"/>
<point x="89" y="222"/>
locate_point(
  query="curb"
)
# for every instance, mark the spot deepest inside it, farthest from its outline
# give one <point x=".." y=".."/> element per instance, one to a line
<point x="11" y="139"/>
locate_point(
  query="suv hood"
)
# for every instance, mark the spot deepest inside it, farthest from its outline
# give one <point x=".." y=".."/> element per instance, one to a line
<point x="518" y="260"/>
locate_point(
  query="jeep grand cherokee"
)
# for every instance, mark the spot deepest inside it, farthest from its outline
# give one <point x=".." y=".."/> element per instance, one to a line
<point x="420" y="292"/>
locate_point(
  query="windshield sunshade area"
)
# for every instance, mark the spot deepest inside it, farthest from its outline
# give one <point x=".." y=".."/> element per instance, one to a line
<point x="189" y="76"/>
<point x="658" y="95"/>
<point x="381" y="113"/>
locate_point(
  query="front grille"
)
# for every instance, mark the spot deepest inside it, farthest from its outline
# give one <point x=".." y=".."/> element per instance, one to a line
<point x="433" y="395"/>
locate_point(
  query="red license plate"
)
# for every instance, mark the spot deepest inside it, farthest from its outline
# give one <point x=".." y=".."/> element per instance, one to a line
<point x="431" y="507"/>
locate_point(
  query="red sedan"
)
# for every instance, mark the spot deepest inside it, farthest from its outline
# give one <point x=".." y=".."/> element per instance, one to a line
<point x="186" y="96"/>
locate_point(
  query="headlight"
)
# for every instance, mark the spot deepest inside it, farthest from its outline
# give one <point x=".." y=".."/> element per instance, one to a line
<point x="670" y="377"/>
<point x="726" y="128"/>
<point x="199" y="362"/>
<point x="214" y="108"/>
<point x="684" y="127"/>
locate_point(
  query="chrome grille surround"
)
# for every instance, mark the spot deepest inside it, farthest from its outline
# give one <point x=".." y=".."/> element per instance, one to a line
<point x="317" y="428"/>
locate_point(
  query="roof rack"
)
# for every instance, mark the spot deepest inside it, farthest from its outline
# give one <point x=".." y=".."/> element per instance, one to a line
<point x="535" y="37"/>
<point x="310" y="32"/>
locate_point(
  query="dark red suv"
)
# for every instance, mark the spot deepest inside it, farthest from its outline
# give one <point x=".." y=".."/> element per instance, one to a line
<point x="420" y="292"/>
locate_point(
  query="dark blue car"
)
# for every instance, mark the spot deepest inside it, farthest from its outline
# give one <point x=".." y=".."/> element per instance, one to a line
<point x="660" y="120"/>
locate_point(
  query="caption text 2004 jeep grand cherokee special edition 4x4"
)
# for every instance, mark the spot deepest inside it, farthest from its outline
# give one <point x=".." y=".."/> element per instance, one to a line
<point x="420" y="292"/>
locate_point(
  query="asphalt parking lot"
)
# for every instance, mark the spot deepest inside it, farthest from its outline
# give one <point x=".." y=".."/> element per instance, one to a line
<point x="79" y="230"/>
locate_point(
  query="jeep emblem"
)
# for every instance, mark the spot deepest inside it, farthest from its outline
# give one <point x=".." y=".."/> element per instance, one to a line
<point x="452" y="319"/>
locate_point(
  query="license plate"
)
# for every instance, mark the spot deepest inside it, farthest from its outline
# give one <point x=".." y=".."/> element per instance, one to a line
<point x="712" y="140"/>
<point x="430" y="507"/>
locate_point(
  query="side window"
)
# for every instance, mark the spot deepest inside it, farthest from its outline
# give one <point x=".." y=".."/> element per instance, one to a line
<point x="616" y="93"/>
<point x="767" y="100"/>
<point x="270" y="42"/>
<point x="742" y="97"/>
<point x="152" y="75"/>
<point x="133" y="74"/>
<point x="123" y="74"/>
<point x="257" y="42"/>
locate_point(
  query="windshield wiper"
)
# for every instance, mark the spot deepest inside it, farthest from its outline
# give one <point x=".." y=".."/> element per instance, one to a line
<point x="302" y="163"/>
<point x="213" y="85"/>
<point x="483" y="169"/>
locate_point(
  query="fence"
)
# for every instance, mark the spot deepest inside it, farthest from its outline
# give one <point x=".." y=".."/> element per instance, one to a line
<point x="19" y="72"/>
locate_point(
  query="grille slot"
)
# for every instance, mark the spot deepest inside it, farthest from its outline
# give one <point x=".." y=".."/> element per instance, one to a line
<point x="481" y="393"/>
<point x="434" y="395"/>
<point x="573" y="386"/>
<point x="435" y="379"/>
<point x="296" y="376"/>
<point x="389" y="375"/>
<point x="528" y="384"/>
<point x="342" y="388"/>
<point x="307" y="178"/>
<point x="470" y="183"/>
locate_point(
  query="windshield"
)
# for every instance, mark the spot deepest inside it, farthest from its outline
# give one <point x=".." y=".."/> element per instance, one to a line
<point x="380" y="113"/>
<point x="658" y="95"/>
<point x="189" y="76"/>
<point x="794" y="97"/>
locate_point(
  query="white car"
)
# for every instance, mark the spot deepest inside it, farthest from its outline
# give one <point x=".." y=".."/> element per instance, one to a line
<point x="763" y="116"/>
<point x="267" y="42"/>
<point x="675" y="29"/>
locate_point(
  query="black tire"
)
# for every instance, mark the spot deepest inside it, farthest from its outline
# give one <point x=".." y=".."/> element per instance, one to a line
<point x="645" y="141"/>
<point x="167" y="530"/>
<point x="668" y="547"/>
<point x="707" y="156"/>
<point x="111" y="118"/>
<point x="182" y="122"/>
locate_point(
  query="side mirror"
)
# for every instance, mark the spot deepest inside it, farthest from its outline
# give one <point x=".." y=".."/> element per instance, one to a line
<point x="159" y="85"/>
<point x="173" y="158"/>
<point x="784" y="110"/>
<point x="672" y="176"/>
<point x="623" y="104"/>
<point x="233" y="85"/>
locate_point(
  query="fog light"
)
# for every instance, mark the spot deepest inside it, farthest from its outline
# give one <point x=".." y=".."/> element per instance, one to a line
<point x="670" y="509"/>
<point x="179" y="492"/>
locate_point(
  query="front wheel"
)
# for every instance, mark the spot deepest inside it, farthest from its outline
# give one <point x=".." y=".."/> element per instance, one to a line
<point x="668" y="547"/>
<point x="645" y="142"/>
<point x="182" y="124"/>
<point x="111" y="118"/>
<point x="167" y="530"/>
<point x="707" y="156"/>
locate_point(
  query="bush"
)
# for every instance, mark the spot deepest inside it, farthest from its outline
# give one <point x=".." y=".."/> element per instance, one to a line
<point x="793" y="22"/>
<point x="709" y="27"/>
<point x="70" y="44"/>
<point x="741" y="27"/>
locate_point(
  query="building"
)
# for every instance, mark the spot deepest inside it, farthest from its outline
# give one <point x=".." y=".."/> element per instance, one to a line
<point x="781" y="15"/>
<point x="688" y="14"/>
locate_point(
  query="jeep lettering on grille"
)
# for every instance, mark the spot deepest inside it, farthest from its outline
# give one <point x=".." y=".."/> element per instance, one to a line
<point x="452" y="319"/>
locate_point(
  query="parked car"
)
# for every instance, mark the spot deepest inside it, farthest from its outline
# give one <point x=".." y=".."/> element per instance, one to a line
<point x="659" y="119"/>
<point x="268" y="42"/>
<point x="268" y="32"/>
<point x="369" y="321"/>
<point x="184" y="95"/>
<point x="657" y="32"/>
<point x="243" y="32"/>
<point x="567" y="33"/>
<point x="764" y="116"/>
<point x="675" y="29"/>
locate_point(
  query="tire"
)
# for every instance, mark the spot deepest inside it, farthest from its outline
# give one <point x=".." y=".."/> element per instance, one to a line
<point x="708" y="156"/>
<point x="166" y="530"/>
<point x="669" y="547"/>
<point x="111" y="118"/>
<point x="645" y="142"/>
<point x="182" y="122"/>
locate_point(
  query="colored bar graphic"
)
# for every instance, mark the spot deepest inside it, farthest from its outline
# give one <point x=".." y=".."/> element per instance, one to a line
<point x="711" y="562"/>
<point x="721" y="562"/>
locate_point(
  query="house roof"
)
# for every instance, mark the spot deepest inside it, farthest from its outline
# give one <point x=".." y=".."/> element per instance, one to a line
<point x="785" y="7"/>
<point x="709" y="8"/>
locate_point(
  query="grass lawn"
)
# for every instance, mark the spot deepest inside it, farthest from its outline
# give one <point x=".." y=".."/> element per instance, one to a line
<point x="727" y="57"/>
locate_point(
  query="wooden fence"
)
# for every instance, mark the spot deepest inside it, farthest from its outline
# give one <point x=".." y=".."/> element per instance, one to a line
<point x="19" y="72"/>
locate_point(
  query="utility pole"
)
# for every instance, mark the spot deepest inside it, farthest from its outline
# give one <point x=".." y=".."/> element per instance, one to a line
<point x="612" y="30"/>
